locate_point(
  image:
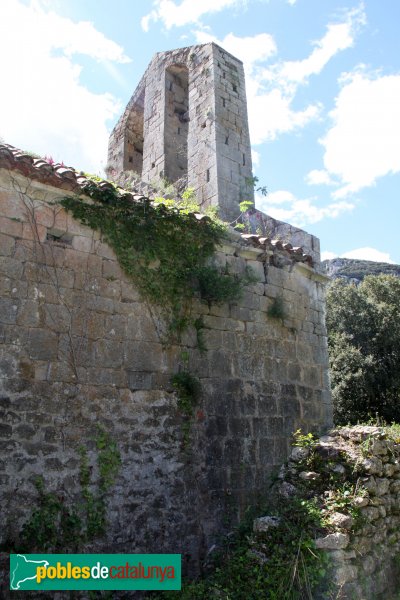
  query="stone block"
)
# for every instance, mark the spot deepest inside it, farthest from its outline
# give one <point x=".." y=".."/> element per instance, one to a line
<point x="10" y="267"/>
<point x="264" y="524"/>
<point x="143" y="356"/>
<point x="108" y="353"/>
<point x="344" y="574"/>
<point x="257" y="269"/>
<point x="333" y="541"/>
<point x="30" y="314"/>
<point x="34" y="231"/>
<point x="128" y="292"/>
<point x="82" y="243"/>
<point x="42" y="344"/>
<point x="111" y="270"/>
<point x="105" y="251"/>
<point x="56" y="317"/>
<point x="11" y="227"/>
<point x="7" y="244"/>
<point x="223" y="323"/>
<point x="11" y="206"/>
<point x="8" y="310"/>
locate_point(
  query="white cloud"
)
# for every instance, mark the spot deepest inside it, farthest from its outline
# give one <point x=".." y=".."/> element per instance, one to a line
<point x="366" y="253"/>
<point x="339" y="36"/>
<point x="44" y="107"/>
<point x="173" y="14"/>
<point x="364" y="141"/>
<point x="271" y="89"/>
<point x="251" y="49"/>
<point x="318" y="177"/>
<point x="299" y="212"/>
<point x="326" y="255"/>
<point x="271" y="114"/>
<point x="255" y="157"/>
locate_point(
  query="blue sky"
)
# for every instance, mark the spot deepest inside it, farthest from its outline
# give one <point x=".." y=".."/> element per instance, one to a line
<point x="323" y="88"/>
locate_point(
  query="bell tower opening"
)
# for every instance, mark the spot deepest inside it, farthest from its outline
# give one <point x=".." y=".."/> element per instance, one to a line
<point x="176" y="126"/>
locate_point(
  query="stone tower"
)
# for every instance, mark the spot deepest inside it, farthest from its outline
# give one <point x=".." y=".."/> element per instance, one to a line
<point x="187" y="119"/>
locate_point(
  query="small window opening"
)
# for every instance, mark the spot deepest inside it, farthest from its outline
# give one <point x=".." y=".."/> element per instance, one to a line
<point x="56" y="236"/>
<point x="208" y="175"/>
<point x="223" y="101"/>
<point x="244" y="160"/>
<point x="179" y="131"/>
<point x="170" y="86"/>
<point x="153" y="165"/>
<point x="130" y="159"/>
<point x="234" y="87"/>
<point x="227" y="140"/>
<point x="203" y="125"/>
<point x="223" y="75"/>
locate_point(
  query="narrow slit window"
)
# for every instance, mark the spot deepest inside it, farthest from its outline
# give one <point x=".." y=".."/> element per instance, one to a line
<point x="59" y="237"/>
<point x="244" y="160"/>
<point x="208" y="175"/>
<point x="234" y="87"/>
<point x="227" y="140"/>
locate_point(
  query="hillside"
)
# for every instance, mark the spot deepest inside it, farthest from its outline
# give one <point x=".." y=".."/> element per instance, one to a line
<point x="352" y="269"/>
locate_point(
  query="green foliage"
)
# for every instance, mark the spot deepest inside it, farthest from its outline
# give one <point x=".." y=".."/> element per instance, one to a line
<point x="199" y="326"/>
<point x="50" y="522"/>
<point x="277" y="309"/>
<point x="281" y="565"/>
<point x="188" y="388"/>
<point x="253" y="181"/>
<point x="217" y="287"/>
<point x="364" y="347"/>
<point x="55" y="524"/>
<point x="246" y="205"/>
<point x="341" y="498"/>
<point x="163" y="248"/>
<point x="188" y="391"/>
<point x="304" y="440"/>
<point x="393" y="432"/>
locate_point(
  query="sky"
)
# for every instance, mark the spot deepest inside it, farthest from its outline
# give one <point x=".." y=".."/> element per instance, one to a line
<point x="322" y="82"/>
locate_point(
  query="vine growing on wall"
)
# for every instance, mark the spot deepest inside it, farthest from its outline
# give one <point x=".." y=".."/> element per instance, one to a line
<point x="163" y="248"/>
<point x="56" y="524"/>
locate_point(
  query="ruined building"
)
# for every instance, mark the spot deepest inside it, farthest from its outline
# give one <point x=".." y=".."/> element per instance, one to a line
<point x="79" y="347"/>
<point x="188" y="119"/>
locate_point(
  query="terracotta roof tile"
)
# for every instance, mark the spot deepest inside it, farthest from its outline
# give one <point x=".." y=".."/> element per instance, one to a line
<point x="67" y="178"/>
<point x="264" y="243"/>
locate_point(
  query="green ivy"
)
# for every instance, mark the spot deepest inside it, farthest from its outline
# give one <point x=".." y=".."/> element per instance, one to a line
<point x="56" y="525"/>
<point x="283" y="564"/>
<point x="162" y="247"/>
<point x="188" y="390"/>
<point x="277" y="309"/>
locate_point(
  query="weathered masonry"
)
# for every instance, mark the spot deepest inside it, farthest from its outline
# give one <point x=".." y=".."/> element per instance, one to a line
<point x="187" y="120"/>
<point x="79" y="347"/>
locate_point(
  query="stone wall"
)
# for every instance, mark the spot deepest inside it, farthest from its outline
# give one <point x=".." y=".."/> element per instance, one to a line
<point x="362" y="539"/>
<point x="78" y="347"/>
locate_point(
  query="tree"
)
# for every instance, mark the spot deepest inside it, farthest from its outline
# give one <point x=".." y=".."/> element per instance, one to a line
<point x="364" y="348"/>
